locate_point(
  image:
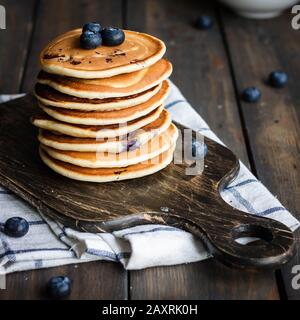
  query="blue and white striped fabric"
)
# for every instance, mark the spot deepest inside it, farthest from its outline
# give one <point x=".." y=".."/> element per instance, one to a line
<point x="49" y="243"/>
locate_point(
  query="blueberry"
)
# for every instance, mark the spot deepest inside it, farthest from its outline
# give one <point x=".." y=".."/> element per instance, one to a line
<point x="90" y="40"/>
<point x="112" y="36"/>
<point x="278" y="79"/>
<point x="92" y="26"/>
<point x="131" y="145"/>
<point x="251" y="94"/>
<point x="199" y="149"/>
<point x="16" y="227"/>
<point x="59" y="287"/>
<point x="204" y="22"/>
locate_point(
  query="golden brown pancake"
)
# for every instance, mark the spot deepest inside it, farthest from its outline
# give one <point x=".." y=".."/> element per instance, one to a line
<point x="118" y="86"/>
<point x="44" y="121"/>
<point x="108" y="174"/>
<point x="137" y="154"/>
<point x="64" y="56"/>
<point x="113" y="145"/>
<point x="108" y="117"/>
<point x="51" y="97"/>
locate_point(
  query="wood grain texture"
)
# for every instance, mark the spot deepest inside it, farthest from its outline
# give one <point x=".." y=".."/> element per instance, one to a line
<point x="101" y="280"/>
<point x="272" y="124"/>
<point x="202" y="72"/>
<point x="14" y="43"/>
<point x="205" y="280"/>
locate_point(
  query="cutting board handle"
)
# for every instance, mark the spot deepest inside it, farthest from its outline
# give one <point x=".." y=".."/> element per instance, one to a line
<point x="272" y="242"/>
<point x="274" y="245"/>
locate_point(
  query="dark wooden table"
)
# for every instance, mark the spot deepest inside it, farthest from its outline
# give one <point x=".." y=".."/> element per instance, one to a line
<point x="211" y="67"/>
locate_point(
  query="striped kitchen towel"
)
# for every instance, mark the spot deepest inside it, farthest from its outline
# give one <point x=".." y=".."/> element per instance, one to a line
<point x="49" y="243"/>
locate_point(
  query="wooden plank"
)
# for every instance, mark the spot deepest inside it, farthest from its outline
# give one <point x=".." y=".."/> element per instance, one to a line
<point x="207" y="280"/>
<point x="95" y="280"/>
<point x="14" y="43"/>
<point x="201" y="71"/>
<point x="273" y="127"/>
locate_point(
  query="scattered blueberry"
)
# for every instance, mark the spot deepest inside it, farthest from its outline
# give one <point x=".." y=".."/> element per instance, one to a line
<point x="278" y="79"/>
<point x="112" y="36"/>
<point x="251" y="94"/>
<point x="92" y="26"/>
<point x="59" y="287"/>
<point x="199" y="149"/>
<point x="90" y="40"/>
<point x="204" y="22"/>
<point x="16" y="227"/>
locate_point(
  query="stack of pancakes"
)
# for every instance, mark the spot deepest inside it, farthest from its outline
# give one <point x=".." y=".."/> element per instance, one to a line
<point x="102" y="116"/>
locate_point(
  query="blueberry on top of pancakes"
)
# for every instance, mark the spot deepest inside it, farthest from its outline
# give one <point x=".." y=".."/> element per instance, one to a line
<point x="90" y="40"/>
<point x="112" y="36"/>
<point x="92" y="26"/>
<point x="93" y="35"/>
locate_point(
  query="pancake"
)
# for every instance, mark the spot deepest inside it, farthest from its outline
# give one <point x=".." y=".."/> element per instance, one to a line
<point x="118" y="86"/>
<point x="151" y="149"/>
<point x="108" y="117"/>
<point x="44" y="121"/>
<point x="108" y="174"/>
<point x="113" y="145"/>
<point x="64" y="56"/>
<point x="54" y="98"/>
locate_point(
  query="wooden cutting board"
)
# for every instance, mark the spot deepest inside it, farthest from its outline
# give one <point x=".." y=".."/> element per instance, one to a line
<point x="170" y="197"/>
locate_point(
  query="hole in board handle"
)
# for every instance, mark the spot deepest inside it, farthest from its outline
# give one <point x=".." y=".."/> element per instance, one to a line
<point x="249" y="234"/>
